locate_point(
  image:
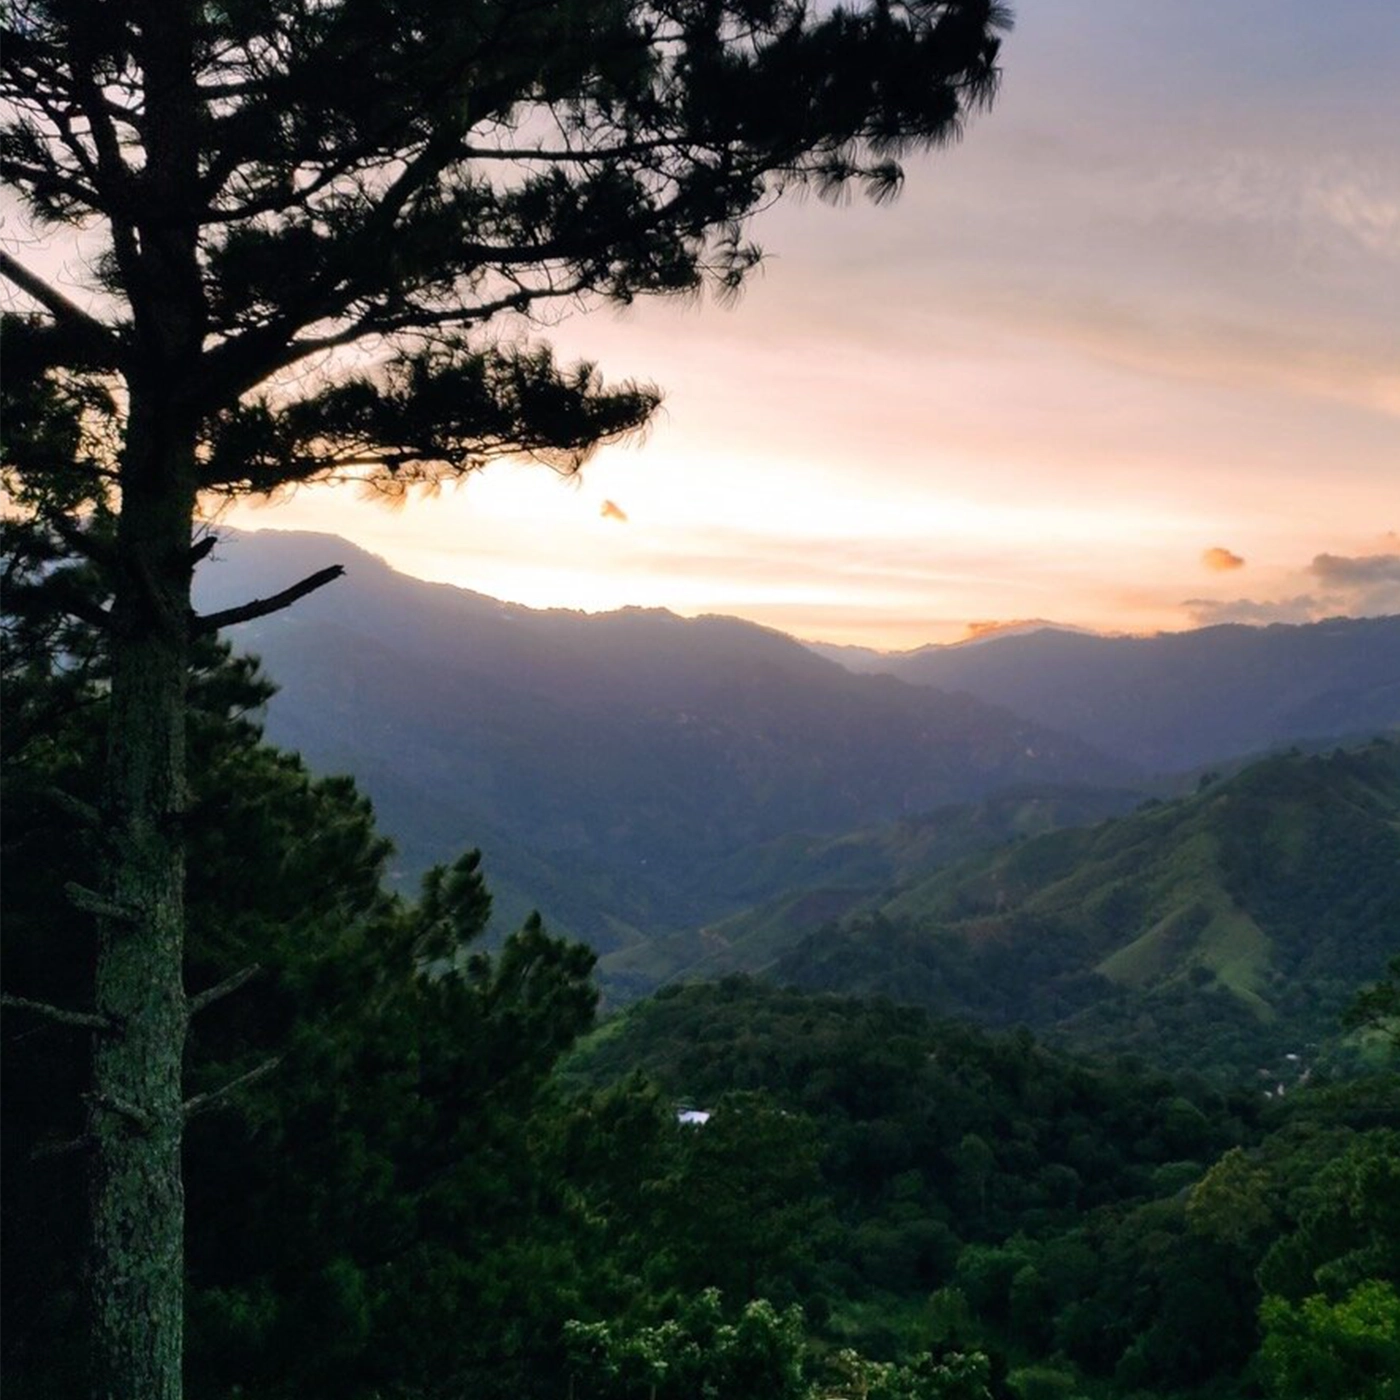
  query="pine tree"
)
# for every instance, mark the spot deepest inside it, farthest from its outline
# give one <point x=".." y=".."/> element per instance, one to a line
<point x="280" y="182"/>
<point x="349" y="1207"/>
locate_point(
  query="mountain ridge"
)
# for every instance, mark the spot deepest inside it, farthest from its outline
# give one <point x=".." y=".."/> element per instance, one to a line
<point x="630" y="754"/>
<point x="1178" y="700"/>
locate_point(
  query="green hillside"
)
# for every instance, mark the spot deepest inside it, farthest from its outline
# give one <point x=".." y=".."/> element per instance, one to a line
<point x="801" y="882"/>
<point x="1211" y="931"/>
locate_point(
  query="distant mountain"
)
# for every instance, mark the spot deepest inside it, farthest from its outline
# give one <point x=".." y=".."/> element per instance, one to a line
<point x="1176" y="700"/>
<point x="871" y="661"/>
<point x="1212" y="931"/>
<point x="609" y="766"/>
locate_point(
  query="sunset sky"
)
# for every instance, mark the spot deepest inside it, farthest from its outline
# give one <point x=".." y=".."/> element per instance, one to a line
<point x="1128" y="357"/>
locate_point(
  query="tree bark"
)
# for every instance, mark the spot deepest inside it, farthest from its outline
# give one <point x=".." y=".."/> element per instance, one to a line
<point x="135" y="1115"/>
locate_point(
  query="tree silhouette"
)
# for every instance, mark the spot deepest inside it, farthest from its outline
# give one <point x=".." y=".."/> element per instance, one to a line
<point x="324" y="229"/>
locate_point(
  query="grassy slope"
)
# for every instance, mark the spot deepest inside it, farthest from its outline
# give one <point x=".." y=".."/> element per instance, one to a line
<point x="1266" y="897"/>
<point x="800" y="883"/>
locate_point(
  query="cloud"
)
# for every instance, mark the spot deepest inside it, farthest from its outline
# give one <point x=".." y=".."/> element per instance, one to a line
<point x="1221" y="560"/>
<point x="1368" y="585"/>
<point x="1211" y="612"/>
<point x="981" y="631"/>
<point x="1361" y="209"/>
<point x="610" y="510"/>
<point x="1361" y="585"/>
<point x="1358" y="571"/>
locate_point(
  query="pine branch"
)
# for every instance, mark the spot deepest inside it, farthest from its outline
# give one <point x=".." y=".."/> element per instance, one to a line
<point x="84" y="813"/>
<point x="48" y="1150"/>
<point x="78" y="539"/>
<point x="202" y="1103"/>
<point x="53" y="301"/>
<point x="138" y="1118"/>
<point x="88" y="1020"/>
<point x="85" y="610"/>
<point x="222" y="989"/>
<point x="203" y="549"/>
<point x="111" y="177"/>
<point x="241" y="362"/>
<point x="90" y="902"/>
<point x="261" y="607"/>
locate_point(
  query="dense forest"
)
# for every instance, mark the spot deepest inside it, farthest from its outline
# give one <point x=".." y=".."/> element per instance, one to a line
<point x="440" y="1175"/>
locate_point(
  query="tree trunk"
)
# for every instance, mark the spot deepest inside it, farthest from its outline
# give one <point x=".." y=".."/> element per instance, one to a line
<point x="136" y="1115"/>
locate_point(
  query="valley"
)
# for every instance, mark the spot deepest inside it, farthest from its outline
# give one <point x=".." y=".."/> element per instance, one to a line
<point x="700" y="797"/>
<point x="921" y="1050"/>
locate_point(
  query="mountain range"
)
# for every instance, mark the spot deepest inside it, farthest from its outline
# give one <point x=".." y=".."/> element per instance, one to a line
<point x="610" y="767"/>
<point x="1177" y="700"/>
<point x="695" y="795"/>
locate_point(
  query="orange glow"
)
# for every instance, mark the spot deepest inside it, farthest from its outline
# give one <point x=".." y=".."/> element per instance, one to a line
<point x="1088" y="344"/>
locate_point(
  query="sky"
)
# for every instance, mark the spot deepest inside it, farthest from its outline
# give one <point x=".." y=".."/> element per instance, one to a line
<point x="1127" y="357"/>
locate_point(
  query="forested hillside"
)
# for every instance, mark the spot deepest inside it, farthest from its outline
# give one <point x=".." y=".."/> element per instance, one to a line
<point x="1096" y="1231"/>
<point x="396" y="1187"/>
<point x="801" y="882"/>
<point x="1214" y="931"/>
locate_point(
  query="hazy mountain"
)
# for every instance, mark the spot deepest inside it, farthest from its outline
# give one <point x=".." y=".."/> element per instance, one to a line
<point x="1176" y="700"/>
<point x="609" y="766"/>
<point x="1218" y="928"/>
<point x="871" y="661"/>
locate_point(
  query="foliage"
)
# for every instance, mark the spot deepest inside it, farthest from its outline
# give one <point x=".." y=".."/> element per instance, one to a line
<point x="1042" y="1383"/>
<point x="1231" y="1202"/>
<point x="951" y="1376"/>
<point x="758" y="1356"/>
<point x="1378" y="1007"/>
<point x="1344" y="1218"/>
<point x="1099" y="1231"/>
<point x="761" y="1355"/>
<point x="347" y="1206"/>
<point x="1348" y="1350"/>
